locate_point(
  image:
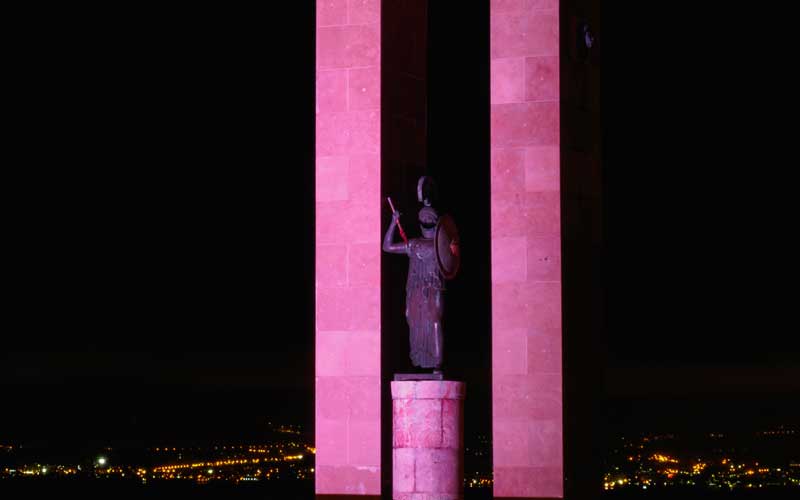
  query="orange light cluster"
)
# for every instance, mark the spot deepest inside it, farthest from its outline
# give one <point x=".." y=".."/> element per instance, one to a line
<point x="663" y="458"/>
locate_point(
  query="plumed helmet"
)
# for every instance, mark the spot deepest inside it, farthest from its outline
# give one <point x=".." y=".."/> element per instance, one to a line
<point x="426" y="190"/>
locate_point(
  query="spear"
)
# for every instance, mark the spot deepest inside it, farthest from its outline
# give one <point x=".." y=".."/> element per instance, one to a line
<point x="402" y="233"/>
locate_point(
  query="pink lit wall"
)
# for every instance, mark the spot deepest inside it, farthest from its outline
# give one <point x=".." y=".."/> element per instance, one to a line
<point x="348" y="238"/>
<point x="526" y="249"/>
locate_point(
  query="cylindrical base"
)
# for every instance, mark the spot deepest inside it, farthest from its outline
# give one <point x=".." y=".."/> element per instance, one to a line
<point x="428" y="440"/>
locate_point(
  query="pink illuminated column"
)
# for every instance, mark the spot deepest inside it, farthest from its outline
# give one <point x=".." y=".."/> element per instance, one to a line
<point x="526" y="249"/>
<point x="348" y="248"/>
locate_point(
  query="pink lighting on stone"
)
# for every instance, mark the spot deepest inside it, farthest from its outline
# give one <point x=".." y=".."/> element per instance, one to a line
<point x="348" y="238"/>
<point x="526" y="249"/>
<point x="427" y="440"/>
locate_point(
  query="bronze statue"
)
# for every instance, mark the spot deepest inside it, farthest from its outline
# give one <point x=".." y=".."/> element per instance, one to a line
<point x="432" y="258"/>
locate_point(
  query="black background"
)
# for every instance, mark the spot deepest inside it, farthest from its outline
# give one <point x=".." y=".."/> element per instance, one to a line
<point x="161" y="224"/>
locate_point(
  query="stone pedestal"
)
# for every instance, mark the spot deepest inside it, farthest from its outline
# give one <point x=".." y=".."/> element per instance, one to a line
<point x="428" y="440"/>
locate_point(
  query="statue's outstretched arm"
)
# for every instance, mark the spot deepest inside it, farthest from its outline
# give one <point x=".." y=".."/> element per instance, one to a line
<point x="388" y="246"/>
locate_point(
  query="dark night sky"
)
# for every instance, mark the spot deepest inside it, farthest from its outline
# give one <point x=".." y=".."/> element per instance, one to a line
<point x="162" y="226"/>
<point x="700" y="331"/>
<point x="153" y="212"/>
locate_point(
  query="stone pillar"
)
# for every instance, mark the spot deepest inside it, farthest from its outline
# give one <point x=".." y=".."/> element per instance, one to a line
<point x="348" y="247"/>
<point x="526" y="249"/>
<point x="428" y="440"/>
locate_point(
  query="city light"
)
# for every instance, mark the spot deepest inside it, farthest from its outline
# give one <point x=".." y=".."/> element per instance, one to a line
<point x="650" y="462"/>
<point x="286" y="458"/>
<point x="731" y="462"/>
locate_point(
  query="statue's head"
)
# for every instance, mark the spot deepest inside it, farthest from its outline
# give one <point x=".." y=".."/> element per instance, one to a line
<point x="427" y="221"/>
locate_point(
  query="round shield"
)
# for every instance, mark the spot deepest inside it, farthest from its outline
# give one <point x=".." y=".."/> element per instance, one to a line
<point x="448" y="250"/>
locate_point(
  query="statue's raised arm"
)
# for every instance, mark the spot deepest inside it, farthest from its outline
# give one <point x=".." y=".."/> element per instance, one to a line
<point x="388" y="239"/>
